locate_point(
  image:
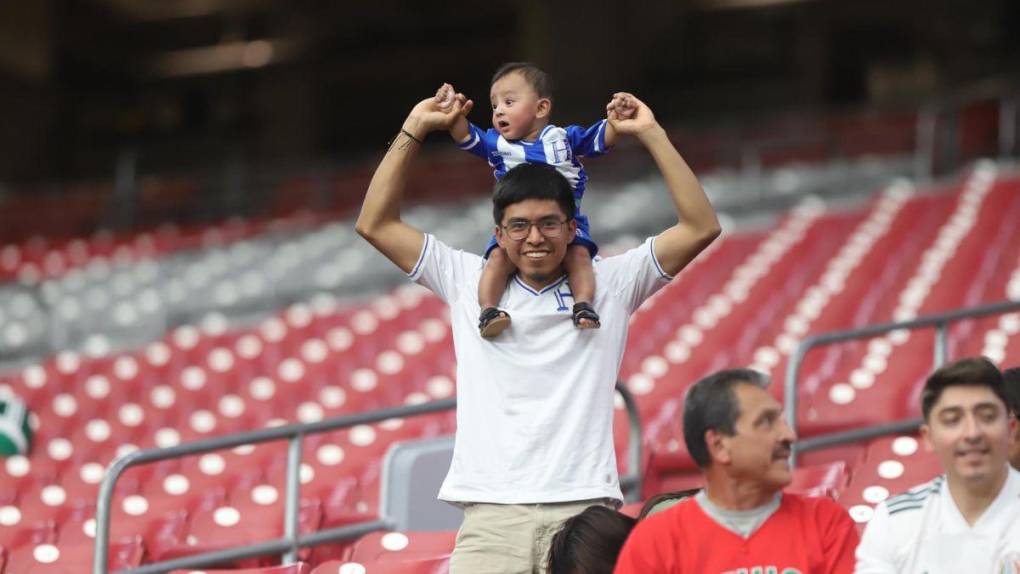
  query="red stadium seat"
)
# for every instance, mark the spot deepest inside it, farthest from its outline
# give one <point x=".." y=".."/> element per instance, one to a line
<point x="16" y="532"/>
<point x="298" y="568"/>
<point x="891" y="465"/>
<point x="886" y="377"/>
<point x="393" y="552"/>
<point x="227" y="526"/>
<point x="746" y="301"/>
<point x="820" y="480"/>
<point x="156" y="532"/>
<point x="49" y="558"/>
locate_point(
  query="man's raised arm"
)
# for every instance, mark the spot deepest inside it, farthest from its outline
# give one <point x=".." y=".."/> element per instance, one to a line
<point x="379" y="221"/>
<point x="697" y="226"/>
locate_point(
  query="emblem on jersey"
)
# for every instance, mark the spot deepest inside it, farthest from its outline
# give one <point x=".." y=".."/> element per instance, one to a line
<point x="562" y="293"/>
<point x="561" y="151"/>
<point x="1009" y="564"/>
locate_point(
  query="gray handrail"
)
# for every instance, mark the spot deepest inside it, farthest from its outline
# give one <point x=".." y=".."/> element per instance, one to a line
<point x="940" y="321"/>
<point x="295" y="434"/>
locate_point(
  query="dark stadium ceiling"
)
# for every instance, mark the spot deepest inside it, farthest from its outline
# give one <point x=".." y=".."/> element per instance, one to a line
<point x="237" y="48"/>
<point x="734" y="4"/>
<point x="157" y="10"/>
<point x="240" y="48"/>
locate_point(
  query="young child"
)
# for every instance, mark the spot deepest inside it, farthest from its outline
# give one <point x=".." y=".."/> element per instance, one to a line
<point x="521" y="100"/>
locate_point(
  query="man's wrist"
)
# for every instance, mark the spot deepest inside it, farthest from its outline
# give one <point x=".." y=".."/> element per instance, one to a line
<point x="412" y="125"/>
<point x="651" y="134"/>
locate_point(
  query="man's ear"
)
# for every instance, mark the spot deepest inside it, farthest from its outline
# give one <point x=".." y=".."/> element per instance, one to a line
<point x="500" y="238"/>
<point x="718" y="447"/>
<point x="544" y="108"/>
<point x="926" y="437"/>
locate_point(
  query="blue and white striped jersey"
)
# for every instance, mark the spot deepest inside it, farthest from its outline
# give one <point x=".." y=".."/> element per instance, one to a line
<point x="556" y="146"/>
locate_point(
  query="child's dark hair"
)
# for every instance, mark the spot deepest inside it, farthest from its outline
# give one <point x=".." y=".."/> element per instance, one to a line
<point x="532" y="181"/>
<point x="536" y="78"/>
<point x="590" y="542"/>
<point x="971" y="371"/>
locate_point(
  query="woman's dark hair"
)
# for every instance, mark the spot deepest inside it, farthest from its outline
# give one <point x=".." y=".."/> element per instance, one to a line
<point x="675" y="496"/>
<point x="590" y="542"/>
<point x="532" y="181"/>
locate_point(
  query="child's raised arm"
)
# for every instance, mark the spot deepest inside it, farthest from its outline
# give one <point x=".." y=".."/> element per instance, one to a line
<point x="619" y="108"/>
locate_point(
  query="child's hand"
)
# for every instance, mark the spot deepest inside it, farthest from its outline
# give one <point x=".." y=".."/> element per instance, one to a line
<point x="621" y="107"/>
<point x="625" y="107"/>
<point x="629" y="115"/>
<point x="428" y="116"/>
<point x="445" y="96"/>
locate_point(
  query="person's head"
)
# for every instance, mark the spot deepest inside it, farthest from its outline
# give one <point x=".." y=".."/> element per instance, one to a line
<point x="534" y="194"/>
<point x="589" y="542"/>
<point x="734" y="428"/>
<point x="967" y="421"/>
<point x="521" y="98"/>
<point x="1012" y="380"/>
<point x="664" y="501"/>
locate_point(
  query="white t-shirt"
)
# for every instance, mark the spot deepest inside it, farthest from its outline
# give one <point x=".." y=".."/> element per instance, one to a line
<point x="535" y="405"/>
<point x="922" y="532"/>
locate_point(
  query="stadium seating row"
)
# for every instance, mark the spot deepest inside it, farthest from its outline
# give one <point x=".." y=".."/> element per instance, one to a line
<point x="746" y="301"/>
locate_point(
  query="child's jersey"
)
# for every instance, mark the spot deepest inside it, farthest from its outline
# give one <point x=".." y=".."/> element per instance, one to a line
<point x="555" y="146"/>
<point x="803" y="536"/>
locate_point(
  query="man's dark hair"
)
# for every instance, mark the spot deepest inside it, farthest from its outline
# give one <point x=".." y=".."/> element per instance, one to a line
<point x="971" y="371"/>
<point x="532" y="181"/>
<point x="1012" y="379"/>
<point x="711" y="404"/>
<point x="590" y="542"/>
<point x="536" y="78"/>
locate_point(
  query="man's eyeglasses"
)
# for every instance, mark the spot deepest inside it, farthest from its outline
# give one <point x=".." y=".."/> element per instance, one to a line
<point x="549" y="227"/>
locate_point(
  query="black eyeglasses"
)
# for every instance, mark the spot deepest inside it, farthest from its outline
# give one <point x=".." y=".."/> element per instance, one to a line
<point x="549" y="227"/>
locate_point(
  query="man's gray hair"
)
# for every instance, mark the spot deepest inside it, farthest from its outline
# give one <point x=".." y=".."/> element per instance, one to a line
<point x="711" y="404"/>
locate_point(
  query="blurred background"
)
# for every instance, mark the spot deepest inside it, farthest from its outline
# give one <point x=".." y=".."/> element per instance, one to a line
<point x="146" y="111"/>
<point x="179" y="178"/>
<point x="165" y="134"/>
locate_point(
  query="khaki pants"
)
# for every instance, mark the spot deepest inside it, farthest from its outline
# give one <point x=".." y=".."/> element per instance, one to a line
<point x="511" y="538"/>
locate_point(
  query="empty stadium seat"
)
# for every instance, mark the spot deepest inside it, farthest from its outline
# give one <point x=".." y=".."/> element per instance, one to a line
<point x="241" y="522"/>
<point x="58" y="558"/>
<point x="747" y="301"/>
<point x="297" y="568"/>
<point x="891" y="465"/>
<point x="393" y="552"/>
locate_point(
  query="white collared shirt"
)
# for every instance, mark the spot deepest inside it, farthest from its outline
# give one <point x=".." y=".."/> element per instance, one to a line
<point x="923" y="532"/>
<point x="535" y="405"/>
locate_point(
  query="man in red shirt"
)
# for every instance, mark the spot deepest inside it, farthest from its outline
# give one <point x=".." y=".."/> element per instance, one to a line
<point x="742" y="522"/>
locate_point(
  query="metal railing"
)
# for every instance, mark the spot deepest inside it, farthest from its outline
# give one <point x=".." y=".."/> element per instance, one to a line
<point x="292" y="540"/>
<point x="940" y="322"/>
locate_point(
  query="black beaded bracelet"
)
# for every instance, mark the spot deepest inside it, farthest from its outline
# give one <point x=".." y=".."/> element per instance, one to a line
<point x="408" y="134"/>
